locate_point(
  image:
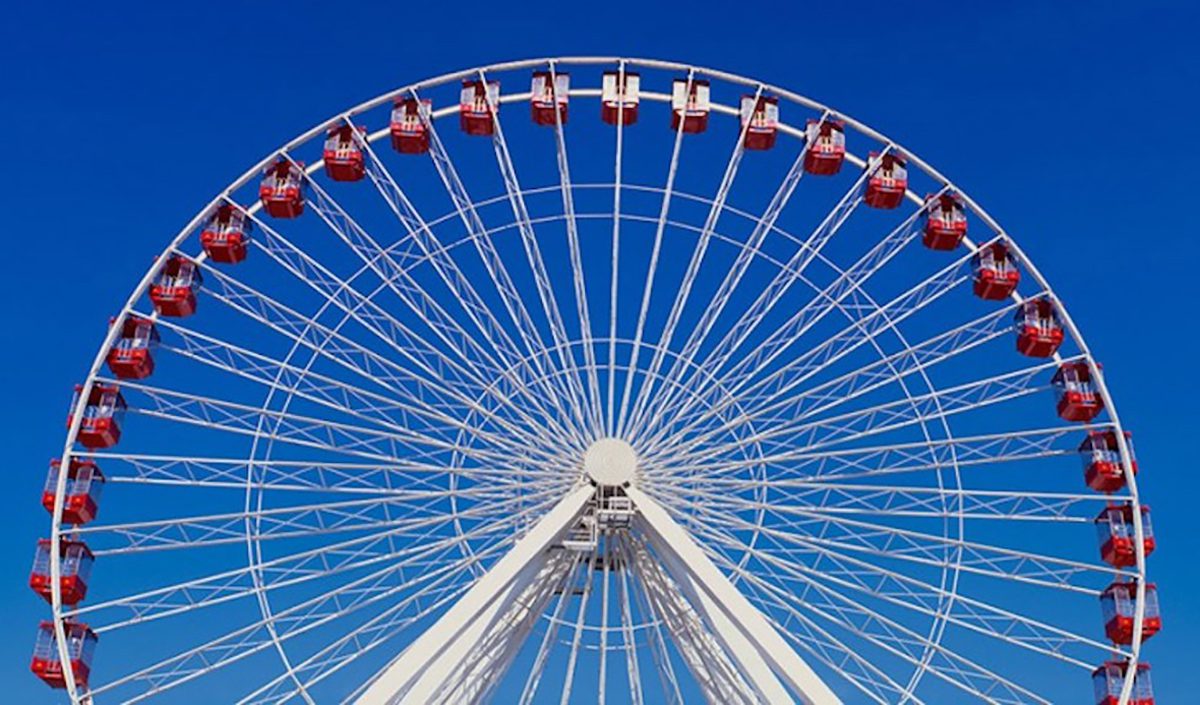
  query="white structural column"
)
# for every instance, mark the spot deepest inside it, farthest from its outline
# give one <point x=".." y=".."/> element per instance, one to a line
<point x="764" y="655"/>
<point x="421" y="671"/>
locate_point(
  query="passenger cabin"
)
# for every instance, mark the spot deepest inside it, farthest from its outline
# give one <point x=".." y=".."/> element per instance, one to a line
<point x="1109" y="680"/>
<point x="1078" y="399"/>
<point x="130" y="355"/>
<point x="81" y="497"/>
<point x="81" y="644"/>
<point x="996" y="272"/>
<point x="408" y="126"/>
<point x="1118" y="601"/>
<point x="343" y="153"/>
<point x="174" y="290"/>
<point x="1102" y="468"/>
<point x="826" y="140"/>
<point x="1039" y="332"/>
<point x="282" y="189"/>
<point x="888" y="180"/>
<point x="103" y="415"/>
<point x="1114" y="528"/>
<point x="74" y="569"/>
<point x="690" y="104"/>
<point x="760" y="121"/>
<point x="548" y="99"/>
<point x="226" y="235"/>
<point x="945" y="221"/>
<point x="619" y="97"/>
<point x="476" y="102"/>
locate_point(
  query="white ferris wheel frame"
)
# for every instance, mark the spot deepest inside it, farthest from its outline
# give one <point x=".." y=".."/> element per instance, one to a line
<point x="346" y="117"/>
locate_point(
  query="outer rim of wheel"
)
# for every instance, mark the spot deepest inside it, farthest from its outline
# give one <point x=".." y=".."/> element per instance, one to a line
<point x="57" y="529"/>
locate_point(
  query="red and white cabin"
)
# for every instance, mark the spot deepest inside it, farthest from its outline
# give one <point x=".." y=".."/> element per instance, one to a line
<point x="945" y="221"/>
<point x="173" y="292"/>
<point x="1078" y="399"/>
<point x="1039" y="332"/>
<point x="826" y="140"/>
<point x="81" y="644"/>
<point x="549" y="94"/>
<point x="408" y="126"/>
<point x="1114" y="527"/>
<point x="888" y="180"/>
<point x="343" y="153"/>
<point x="130" y="356"/>
<point x="996" y="272"/>
<point x="1101" y="456"/>
<point x="692" y="106"/>
<point x="75" y="569"/>
<point x="226" y="234"/>
<point x="102" y="416"/>
<point x="1117" y="602"/>
<point x="619" y="97"/>
<point x="81" y="497"/>
<point x="760" y="120"/>
<point x="282" y="189"/>
<point x="476" y="102"/>
<point x="1109" y="679"/>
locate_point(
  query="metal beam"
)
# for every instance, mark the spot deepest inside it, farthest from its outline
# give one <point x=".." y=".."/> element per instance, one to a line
<point x="765" y="657"/>
<point x="424" y="668"/>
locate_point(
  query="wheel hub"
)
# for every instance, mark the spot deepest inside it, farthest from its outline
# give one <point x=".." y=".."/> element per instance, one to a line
<point x="610" y="462"/>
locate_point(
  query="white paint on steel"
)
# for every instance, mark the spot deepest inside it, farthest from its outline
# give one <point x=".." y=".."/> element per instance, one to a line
<point x="58" y="530"/>
<point x="423" y="667"/>
<point x="610" y="461"/>
<point x="739" y="623"/>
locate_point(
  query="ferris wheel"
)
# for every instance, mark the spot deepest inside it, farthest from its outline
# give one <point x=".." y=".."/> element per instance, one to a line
<point x="594" y="380"/>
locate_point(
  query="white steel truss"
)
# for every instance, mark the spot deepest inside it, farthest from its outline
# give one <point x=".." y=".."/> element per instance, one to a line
<point x="362" y="461"/>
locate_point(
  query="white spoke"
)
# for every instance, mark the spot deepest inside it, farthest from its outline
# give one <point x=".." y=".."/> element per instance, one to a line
<point x="423" y="237"/>
<point x="693" y="269"/>
<point x="497" y="271"/>
<point x="363" y="434"/>
<point x="651" y="271"/>
<point x="537" y="265"/>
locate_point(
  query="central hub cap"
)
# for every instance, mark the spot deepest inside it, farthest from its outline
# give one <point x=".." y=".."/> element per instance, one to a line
<point x="610" y="461"/>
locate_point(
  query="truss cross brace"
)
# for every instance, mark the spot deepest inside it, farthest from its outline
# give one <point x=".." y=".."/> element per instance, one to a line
<point x="432" y="666"/>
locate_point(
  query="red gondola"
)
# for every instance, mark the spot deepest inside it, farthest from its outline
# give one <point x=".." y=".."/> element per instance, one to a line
<point x="945" y="222"/>
<point x="760" y="120"/>
<point x="1114" y="527"/>
<point x="343" y="153"/>
<point x="1117" y="602"/>
<point x="74" y="565"/>
<point x="691" y="105"/>
<point x="826" y="140"/>
<point x="1078" y="399"/>
<point x="81" y="498"/>
<point x="996" y="273"/>
<point x="476" y="102"/>
<point x="619" y="98"/>
<point x="130" y="356"/>
<point x="226" y="234"/>
<point x="81" y="644"/>
<point x="282" y="189"/>
<point x="102" y="416"/>
<point x="1039" y="332"/>
<point x="173" y="292"/>
<point x="1101" y="455"/>
<point x="1109" y="679"/>
<point x="408" y="125"/>
<point x="548" y="94"/>
<point x="888" y="180"/>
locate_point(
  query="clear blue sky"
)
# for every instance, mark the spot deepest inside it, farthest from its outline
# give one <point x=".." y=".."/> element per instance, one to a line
<point x="1071" y="122"/>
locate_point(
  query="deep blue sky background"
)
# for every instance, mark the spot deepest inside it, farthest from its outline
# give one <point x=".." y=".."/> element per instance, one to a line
<point x="1073" y="123"/>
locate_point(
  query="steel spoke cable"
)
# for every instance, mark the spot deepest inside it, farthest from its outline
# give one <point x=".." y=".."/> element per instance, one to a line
<point x="512" y="300"/>
<point x="651" y="272"/>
